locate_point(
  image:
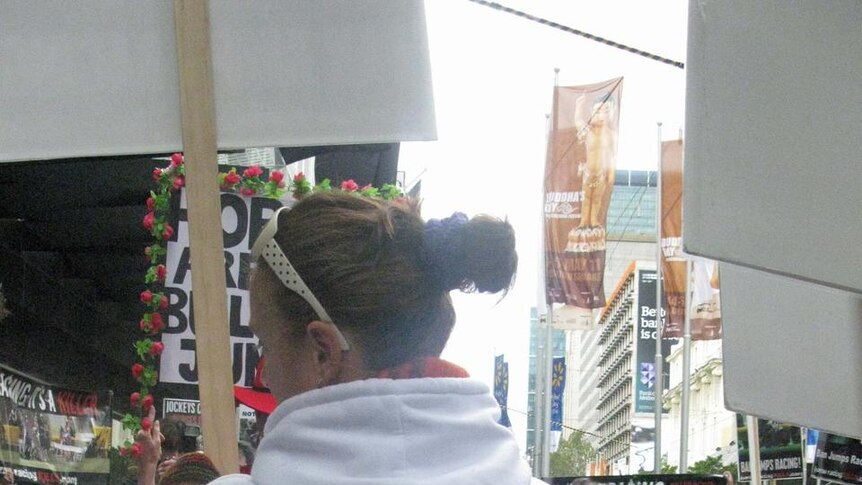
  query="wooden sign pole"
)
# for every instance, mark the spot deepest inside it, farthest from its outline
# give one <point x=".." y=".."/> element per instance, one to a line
<point x="194" y="58"/>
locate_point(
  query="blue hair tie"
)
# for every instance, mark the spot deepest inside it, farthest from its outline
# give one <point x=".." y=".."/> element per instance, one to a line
<point x="442" y="248"/>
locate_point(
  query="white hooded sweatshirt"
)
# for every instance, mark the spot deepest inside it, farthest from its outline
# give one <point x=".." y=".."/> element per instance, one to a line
<point x="425" y="431"/>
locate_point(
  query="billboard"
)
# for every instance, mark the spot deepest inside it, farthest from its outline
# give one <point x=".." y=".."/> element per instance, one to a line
<point x="646" y="329"/>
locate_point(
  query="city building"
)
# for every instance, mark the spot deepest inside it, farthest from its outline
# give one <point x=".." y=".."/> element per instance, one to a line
<point x="711" y="427"/>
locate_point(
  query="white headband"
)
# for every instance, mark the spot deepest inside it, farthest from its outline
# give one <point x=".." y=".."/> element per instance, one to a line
<point x="266" y="247"/>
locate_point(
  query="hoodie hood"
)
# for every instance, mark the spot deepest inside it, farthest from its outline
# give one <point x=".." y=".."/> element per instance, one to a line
<point x="381" y="431"/>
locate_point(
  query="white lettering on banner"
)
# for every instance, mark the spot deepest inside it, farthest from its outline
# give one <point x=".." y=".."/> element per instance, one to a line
<point x="646" y="323"/>
<point x="840" y="458"/>
<point x="25" y="394"/>
<point x="242" y="219"/>
<point x="671" y="248"/>
<point x="563" y="205"/>
<point x="181" y="406"/>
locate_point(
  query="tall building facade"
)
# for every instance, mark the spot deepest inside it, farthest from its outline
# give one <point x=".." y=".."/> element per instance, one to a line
<point x="628" y="372"/>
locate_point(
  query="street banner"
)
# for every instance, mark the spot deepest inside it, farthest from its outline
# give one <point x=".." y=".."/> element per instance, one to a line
<point x="52" y="435"/>
<point x="673" y="265"/>
<point x="781" y="450"/>
<point x="705" y="311"/>
<point x="501" y="389"/>
<point x="838" y="459"/>
<point x="558" y="387"/>
<point x="579" y="178"/>
<point x="705" y="300"/>
<point x="647" y="328"/>
<point x="681" y="479"/>
<point x="242" y="219"/>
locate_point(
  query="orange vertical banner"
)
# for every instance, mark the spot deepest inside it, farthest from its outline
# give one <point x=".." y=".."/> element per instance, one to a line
<point x="579" y="178"/>
<point x="672" y="261"/>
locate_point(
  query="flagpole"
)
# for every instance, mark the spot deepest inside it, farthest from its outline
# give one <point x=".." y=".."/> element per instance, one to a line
<point x="549" y="355"/>
<point x="538" y="420"/>
<point x="686" y="370"/>
<point x="658" y="319"/>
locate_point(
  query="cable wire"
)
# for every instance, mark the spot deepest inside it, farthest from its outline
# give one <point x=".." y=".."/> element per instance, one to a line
<point x="581" y="33"/>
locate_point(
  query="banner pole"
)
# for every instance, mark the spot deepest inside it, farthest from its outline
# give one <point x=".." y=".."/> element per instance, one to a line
<point x="804" y="433"/>
<point x="686" y="373"/>
<point x="548" y="356"/>
<point x="539" y="409"/>
<point x="658" y="319"/>
<point x="546" y="384"/>
<point x="753" y="448"/>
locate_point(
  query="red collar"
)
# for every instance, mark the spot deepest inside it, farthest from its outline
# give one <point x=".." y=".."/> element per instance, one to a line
<point x="423" y="367"/>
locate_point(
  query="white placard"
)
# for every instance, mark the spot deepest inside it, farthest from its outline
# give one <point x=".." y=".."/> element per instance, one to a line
<point x="99" y="77"/>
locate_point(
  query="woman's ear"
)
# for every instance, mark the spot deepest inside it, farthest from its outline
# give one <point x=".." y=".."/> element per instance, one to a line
<point x="326" y="346"/>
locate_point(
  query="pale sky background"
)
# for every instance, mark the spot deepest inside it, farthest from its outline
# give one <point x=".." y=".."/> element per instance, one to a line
<point x="493" y="76"/>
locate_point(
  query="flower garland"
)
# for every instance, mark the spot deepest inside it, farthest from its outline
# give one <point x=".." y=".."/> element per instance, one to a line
<point x="171" y="179"/>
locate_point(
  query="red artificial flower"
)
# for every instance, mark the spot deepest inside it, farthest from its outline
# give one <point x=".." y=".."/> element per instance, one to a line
<point x="157" y="174"/>
<point x="179" y="182"/>
<point x="161" y="272"/>
<point x="149" y="220"/>
<point x="163" y="303"/>
<point x="177" y="159"/>
<point x="136" y="450"/>
<point x="124" y="451"/>
<point x="252" y="172"/>
<point x="247" y="191"/>
<point x="144" y="325"/>
<point x="299" y="178"/>
<point x="156" y="322"/>
<point x="147" y="296"/>
<point x="349" y="186"/>
<point x="146" y="424"/>
<point x="276" y="176"/>
<point x="167" y="232"/>
<point x="157" y="348"/>
<point x="137" y="370"/>
<point x="151" y="203"/>
<point x="148" y="402"/>
<point x="231" y="179"/>
<point x="135" y="398"/>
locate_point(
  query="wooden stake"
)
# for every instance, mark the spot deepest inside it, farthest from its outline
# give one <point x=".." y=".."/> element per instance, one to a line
<point x="194" y="59"/>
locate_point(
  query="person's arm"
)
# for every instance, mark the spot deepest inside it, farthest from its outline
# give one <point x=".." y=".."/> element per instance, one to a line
<point x="150" y="442"/>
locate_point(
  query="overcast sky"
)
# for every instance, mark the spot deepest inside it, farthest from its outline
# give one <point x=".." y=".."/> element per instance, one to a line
<point x="493" y="76"/>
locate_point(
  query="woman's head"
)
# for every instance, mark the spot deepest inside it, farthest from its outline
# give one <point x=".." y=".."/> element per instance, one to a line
<point x="379" y="273"/>
<point x="190" y="469"/>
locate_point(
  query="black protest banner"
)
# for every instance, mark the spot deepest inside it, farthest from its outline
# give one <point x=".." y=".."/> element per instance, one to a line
<point x="51" y="434"/>
<point x="682" y="479"/>
<point x="838" y="458"/>
<point x="781" y="450"/>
